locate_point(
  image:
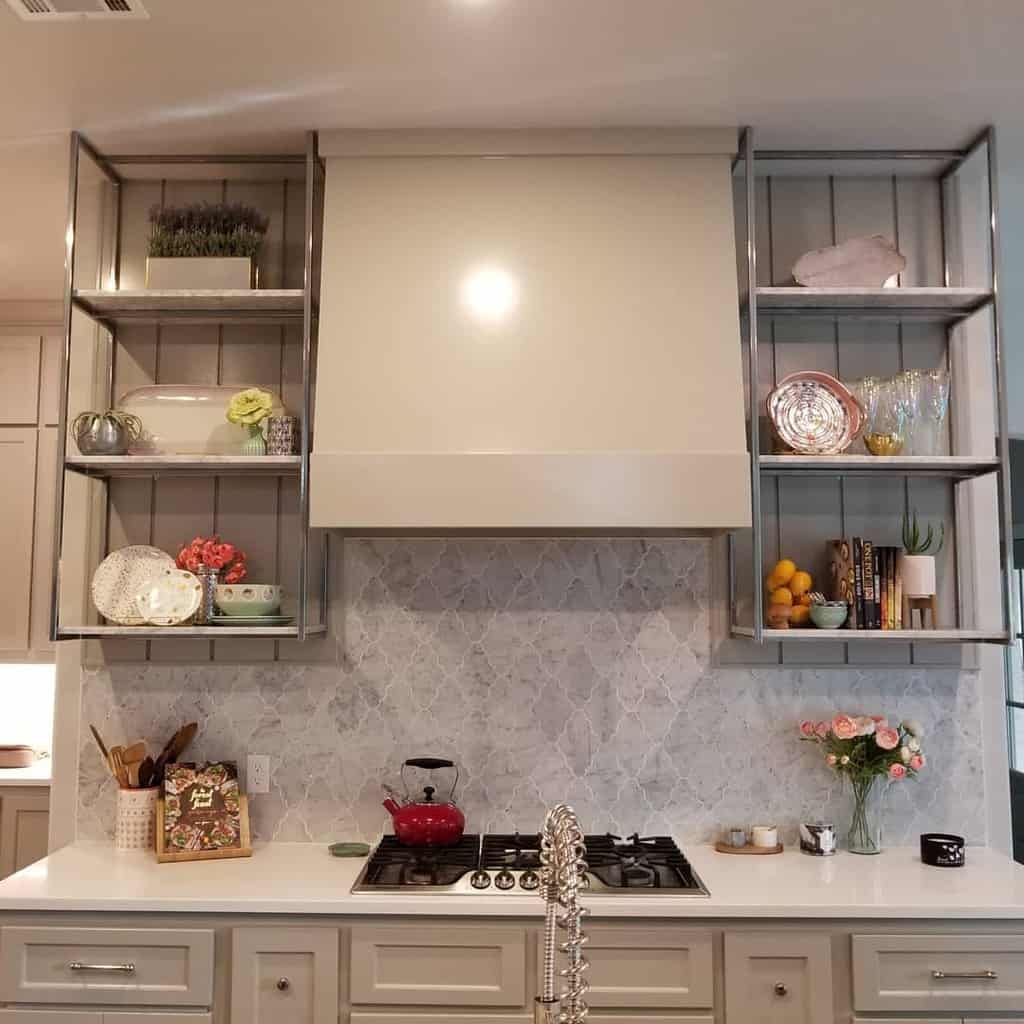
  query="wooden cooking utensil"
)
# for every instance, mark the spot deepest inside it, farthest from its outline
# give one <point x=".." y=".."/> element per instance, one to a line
<point x="146" y="773"/>
<point x="99" y="743"/>
<point x="118" y="768"/>
<point x="133" y="774"/>
<point x="173" y="750"/>
<point x="134" y="754"/>
<point x="186" y="734"/>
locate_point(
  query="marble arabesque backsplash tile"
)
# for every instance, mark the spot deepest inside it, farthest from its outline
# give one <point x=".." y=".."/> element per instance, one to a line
<point x="550" y="669"/>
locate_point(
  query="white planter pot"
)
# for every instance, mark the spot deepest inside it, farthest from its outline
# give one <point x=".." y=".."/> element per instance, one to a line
<point x="197" y="273"/>
<point x="918" y="572"/>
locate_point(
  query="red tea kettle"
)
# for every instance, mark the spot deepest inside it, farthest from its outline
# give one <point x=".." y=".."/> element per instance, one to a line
<point x="427" y="822"/>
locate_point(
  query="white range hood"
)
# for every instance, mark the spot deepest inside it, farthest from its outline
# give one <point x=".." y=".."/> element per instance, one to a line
<point x="529" y="331"/>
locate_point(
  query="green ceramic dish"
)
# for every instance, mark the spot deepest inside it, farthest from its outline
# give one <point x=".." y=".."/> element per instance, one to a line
<point x="829" y="616"/>
<point x="247" y="600"/>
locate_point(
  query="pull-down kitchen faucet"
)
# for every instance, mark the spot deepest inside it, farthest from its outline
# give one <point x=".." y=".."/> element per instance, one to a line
<point x="561" y="879"/>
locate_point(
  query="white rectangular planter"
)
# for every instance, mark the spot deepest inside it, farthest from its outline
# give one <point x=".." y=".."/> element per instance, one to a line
<point x="195" y="273"/>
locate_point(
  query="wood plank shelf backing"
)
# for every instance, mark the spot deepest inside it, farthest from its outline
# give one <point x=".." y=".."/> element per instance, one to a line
<point x="957" y="467"/>
<point x="903" y="303"/>
<point x="184" y="465"/>
<point x="942" y="313"/>
<point x="266" y="305"/>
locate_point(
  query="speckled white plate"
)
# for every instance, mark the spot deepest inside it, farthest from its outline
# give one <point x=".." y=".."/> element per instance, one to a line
<point x="169" y="598"/>
<point x="120" y="576"/>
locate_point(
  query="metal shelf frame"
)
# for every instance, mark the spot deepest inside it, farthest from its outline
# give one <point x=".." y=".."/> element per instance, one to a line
<point x="948" y="305"/>
<point x="110" y="309"/>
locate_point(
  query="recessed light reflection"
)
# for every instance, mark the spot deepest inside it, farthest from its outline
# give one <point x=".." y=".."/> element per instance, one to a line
<point x="489" y="294"/>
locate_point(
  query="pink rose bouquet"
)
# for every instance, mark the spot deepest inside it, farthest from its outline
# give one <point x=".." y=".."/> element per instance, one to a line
<point x="212" y="553"/>
<point x="866" y="746"/>
<point x="863" y="749"/>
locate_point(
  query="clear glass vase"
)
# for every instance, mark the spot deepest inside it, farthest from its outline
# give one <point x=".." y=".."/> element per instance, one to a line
<point x="865" y="835"/>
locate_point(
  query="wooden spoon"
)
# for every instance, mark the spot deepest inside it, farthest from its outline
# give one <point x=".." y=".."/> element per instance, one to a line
<point x="134" y="754"/>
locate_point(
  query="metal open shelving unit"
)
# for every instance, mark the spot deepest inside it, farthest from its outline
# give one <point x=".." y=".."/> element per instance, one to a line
<point x="113" y="310"/>
<point x="948" y="305"/>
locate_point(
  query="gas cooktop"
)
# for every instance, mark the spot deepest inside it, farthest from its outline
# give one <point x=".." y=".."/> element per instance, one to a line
<point x="501" y="864"/>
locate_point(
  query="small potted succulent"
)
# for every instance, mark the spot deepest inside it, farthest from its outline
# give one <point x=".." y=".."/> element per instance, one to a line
<point x="917" y="563"/>
<point x="203" y="246"/>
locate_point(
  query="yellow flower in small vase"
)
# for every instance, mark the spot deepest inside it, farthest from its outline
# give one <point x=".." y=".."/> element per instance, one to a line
<point x="249" y="408"/>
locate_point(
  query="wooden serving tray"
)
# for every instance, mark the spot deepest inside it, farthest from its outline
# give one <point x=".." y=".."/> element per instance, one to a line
<point x="749" y="849"/>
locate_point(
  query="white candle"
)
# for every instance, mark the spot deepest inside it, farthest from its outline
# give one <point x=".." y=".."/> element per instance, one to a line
<point x="765" y="835"/>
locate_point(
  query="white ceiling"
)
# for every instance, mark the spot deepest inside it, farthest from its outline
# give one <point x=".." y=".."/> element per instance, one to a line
<point x="250" y="74"/>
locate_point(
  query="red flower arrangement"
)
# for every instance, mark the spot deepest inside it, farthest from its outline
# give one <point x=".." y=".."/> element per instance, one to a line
<point x="212" y="553"/>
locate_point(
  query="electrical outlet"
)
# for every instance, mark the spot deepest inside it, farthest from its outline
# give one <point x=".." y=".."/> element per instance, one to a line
<point x="257" y="774"/>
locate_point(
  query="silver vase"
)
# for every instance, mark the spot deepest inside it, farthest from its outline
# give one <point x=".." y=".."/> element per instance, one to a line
<point x="208" y="578"/>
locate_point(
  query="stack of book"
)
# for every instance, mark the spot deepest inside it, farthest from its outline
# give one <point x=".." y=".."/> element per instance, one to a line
<point x="867" y="577"/>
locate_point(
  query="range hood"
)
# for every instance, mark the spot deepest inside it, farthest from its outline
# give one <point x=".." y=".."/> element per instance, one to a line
<point x="529" y="332"/>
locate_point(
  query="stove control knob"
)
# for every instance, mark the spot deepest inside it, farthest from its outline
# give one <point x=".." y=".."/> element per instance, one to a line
<point x="505" y="880"/>
<point x="529" y="880"/>
<point x="480" y="880"/>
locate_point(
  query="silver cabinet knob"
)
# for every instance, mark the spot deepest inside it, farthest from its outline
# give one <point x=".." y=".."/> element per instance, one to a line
<point x="283" y="984"/>
<point x="780" y="989"/>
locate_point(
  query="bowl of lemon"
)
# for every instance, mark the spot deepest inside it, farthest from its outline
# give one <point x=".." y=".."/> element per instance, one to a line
<point x="788" y="593"/>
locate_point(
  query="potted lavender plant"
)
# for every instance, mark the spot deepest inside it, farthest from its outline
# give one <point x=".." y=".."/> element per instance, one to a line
<point x="203" y="246"/>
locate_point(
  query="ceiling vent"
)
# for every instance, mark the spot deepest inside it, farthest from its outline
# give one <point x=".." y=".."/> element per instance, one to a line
<point x="77" y="10"/>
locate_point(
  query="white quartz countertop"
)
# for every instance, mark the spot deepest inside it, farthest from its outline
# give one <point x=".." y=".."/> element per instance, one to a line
<point x="298" y="878"/>
<point x="37" y="774"/>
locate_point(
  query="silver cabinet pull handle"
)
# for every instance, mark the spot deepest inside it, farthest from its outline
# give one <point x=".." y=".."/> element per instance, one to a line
<point x="780" y="989"/>
<point x="965" y="975"/>
<point x="76" y="965"/>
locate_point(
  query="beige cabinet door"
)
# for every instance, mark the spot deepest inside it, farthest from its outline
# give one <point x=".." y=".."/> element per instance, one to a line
<point x="414" y="1017"/>
<point x="19" y="380"/>
<point x="778" y="978"/>
<point x="153" y="1017"/>
<point x="42" y="544"/>
<point x="24" y="826"/>
<point x="438" y="965"/>
<point x="18" y="478"/>
<point x="283" y="975"/>
<point x="23" y="1016"/>
<point x="657" y="967"/>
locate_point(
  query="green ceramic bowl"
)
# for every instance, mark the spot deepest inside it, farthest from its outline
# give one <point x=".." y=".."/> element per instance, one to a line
<point x="247" y="599"/>
<point x="829" y="616"/>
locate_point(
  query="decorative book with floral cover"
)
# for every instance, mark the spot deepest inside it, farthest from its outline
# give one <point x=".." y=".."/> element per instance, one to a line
<point x="202" y="807"/>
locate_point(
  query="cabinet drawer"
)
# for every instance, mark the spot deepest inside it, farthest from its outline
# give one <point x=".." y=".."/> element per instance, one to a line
<point x="648" y="968"/>
<point x="51" y="1017"/>
<point x="778" y="978"/>
<point x="439" y="966"/>
<point x="27" y="1016"/>
<point x="410" y="1017"/>
<point x="925" y="972"/>
<point x="503" y="1018"/>
<point x="58" y="965"/>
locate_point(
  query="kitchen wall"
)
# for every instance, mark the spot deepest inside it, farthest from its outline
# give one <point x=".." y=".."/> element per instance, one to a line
<point x="550" y="669"/>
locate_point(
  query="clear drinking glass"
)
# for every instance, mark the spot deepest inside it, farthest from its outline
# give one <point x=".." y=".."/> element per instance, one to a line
<point x="935" y="407"/>
<point x="910" y="385"/>
<point x="885" y="419"/>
